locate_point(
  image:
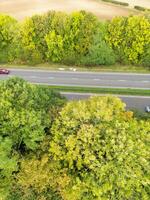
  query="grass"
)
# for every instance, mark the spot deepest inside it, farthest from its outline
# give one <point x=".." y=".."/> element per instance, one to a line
<point x="119" y="91"/>
<point x="102" y="68"/>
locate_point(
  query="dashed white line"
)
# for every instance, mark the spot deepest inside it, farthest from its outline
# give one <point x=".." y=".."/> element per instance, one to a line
<point x="96" y="79"/>
<point x="122" y="80"/>
<point x="74" y="78"/>
<point x="50" y="77"/>
<point x="146" y="81"/>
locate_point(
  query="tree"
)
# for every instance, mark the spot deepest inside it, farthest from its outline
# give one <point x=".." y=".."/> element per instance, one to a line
<point x="26" y="114"/>
<point x="70" y="37"/>
<point x="103" y="149"/>
<point x="99" y="52"/>
<point x="7" y="30"/>
<point x="129" y="36"/>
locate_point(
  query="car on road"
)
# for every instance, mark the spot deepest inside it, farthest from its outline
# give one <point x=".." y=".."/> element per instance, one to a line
<point x="4" y="71"/>
<point x="147" y="109"/>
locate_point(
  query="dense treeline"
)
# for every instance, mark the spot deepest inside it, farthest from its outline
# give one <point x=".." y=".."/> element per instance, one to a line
<point x="79" y="39"/>
<point x="51" y="149"/>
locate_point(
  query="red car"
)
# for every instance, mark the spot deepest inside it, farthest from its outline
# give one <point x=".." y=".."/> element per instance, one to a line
<point x="4" y="71"/>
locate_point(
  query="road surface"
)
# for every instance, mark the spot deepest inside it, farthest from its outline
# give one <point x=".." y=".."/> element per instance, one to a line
<point x="89" y="79"/>
<point x="132" y="102"/>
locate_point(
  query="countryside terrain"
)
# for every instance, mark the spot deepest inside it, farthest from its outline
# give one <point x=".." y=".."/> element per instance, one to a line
<point x="23" y="8"/>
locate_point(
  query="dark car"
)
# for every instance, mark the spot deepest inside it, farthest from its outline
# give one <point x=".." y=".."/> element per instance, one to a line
<point x="4" y="71"/>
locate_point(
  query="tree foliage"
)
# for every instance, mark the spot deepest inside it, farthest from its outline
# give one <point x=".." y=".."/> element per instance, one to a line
<point x="7" y="24"/>
<point x="26" y="113"/>
<point x="104" y="150"/>
<point x="129" y="37"/>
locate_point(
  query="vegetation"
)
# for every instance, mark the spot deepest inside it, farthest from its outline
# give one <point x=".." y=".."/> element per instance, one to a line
<point x="53" y="149"/>
<point x="117" y="2"/>
<point x="121" y="91"/>
<point x="141" y="8"/>
<point x="75" y="39"/>
<point x="130" y="38"/>
<point x="26" y="113"/>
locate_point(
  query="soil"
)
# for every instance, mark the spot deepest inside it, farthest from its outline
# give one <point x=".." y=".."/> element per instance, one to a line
<point x="22" y="8"/>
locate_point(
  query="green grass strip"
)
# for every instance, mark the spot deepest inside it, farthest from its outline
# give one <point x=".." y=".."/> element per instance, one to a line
<point x="120" y="91"/>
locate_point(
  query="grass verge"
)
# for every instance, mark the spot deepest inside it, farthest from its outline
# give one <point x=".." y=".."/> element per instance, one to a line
<point x="101" y="68"/>
<point x="118" y="91"/>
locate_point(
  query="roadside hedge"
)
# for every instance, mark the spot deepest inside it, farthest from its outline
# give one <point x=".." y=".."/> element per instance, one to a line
<point x="78" y="38"/>
<point x="117" y="2"/>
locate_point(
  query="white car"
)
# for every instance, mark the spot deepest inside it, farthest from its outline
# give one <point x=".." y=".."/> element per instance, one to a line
<point x="147" y="109"/>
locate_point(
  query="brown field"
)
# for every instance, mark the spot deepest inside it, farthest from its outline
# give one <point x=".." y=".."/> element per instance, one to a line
<point x="143" y="3"/>
<point x="23" y="8"/>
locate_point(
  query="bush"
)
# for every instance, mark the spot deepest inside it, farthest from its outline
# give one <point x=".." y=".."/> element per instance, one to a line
<point x="103" y="149"/>
<point x="141" y="8"/>
<point x="99" y="54"/>
<point x="145" y="61"/>
<point x="117" y="2"/>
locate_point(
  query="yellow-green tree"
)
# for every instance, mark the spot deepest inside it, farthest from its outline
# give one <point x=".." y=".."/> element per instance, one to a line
<point x="129" y="37"/>
<point x="103" y="149"/>
<point x="7" y="30"/>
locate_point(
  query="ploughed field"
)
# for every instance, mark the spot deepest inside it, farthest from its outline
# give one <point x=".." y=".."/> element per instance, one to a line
<point x="23" y="8"/>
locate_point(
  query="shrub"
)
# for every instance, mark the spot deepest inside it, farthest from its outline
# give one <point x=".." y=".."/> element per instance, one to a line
<point x="139" y="8"/>
<point x="145" y="60"/>
<point x="117" y="2"/>
<point x="103" y="149"/>
<point x="99" y="54"/>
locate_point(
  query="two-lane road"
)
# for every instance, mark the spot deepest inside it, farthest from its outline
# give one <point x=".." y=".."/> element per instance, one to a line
<point x="90" y="79"/>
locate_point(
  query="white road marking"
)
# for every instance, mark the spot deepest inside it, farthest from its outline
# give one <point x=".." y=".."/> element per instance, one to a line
<point x="122" y="80"/>
<point x="146" y="81"/>
<point x="50" y="77"/>
<point x="74" y="78"/>
<point x="96" y="79"/>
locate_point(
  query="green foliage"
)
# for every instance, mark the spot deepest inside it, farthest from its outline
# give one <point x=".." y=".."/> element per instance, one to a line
<point x="7" y="24"/>
<point x="35" y="181"/>
<point x="141" y="8"/>
<point x="74" y="39"/>
<point x="71" y="37"/>
<point x="128" y="37"/>
<point x="103" y="149"/>
<point x="117" y="2"/>
<point x="99" y="54"/>
<point x="145" y="60"/>
<point x="26" y="114"/>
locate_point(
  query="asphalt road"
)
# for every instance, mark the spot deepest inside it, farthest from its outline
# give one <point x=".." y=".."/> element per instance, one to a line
<point x="118" y="80"/>
<point x="132" y="102"/>
<point x="114" y="80"/>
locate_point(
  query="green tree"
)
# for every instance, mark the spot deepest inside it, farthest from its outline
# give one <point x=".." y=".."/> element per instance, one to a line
<point x="129" y="36"/>
<point x="7" y="30"/>
<point x="71" y="36"/>
<point x="103" y="149"/>
<point x="26" y="114"/>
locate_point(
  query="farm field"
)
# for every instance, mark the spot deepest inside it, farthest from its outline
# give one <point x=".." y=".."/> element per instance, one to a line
<point x="23" y="8"/>
<point x="132" y="3"/>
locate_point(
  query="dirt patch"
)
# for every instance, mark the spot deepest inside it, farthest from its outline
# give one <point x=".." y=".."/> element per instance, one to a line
<point x="23" y="8"/>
